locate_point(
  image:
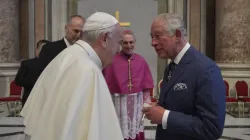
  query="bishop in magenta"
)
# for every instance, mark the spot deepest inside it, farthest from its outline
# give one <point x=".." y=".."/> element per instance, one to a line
<point x="130" y="81"/>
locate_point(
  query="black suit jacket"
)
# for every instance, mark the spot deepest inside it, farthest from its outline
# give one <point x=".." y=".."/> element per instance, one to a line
<point x="49" y="52"/>
<point x="31" y="69"/>
<point x="26" y="75"/>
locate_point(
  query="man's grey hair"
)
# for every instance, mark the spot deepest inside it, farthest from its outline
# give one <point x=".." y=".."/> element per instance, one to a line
<point x="174" y="22"/>
<point x="92" y="36"/>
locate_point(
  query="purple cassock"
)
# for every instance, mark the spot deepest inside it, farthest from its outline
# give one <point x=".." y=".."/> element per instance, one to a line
<point x="128" y="74"/>
<point x="129" y="80"/>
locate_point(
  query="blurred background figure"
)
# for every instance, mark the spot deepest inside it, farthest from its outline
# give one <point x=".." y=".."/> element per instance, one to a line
<point x="27" y="72"/>
<point x="130" y="82"/>
<point x="73" y="31"/>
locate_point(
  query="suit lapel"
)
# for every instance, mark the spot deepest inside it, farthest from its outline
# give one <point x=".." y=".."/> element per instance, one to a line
<point x="164" y="83"/>
<point x="179" y="70"/>
<point x="175" y="76"/>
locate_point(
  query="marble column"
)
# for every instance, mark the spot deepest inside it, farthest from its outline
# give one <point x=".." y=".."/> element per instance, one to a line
<point x="9" y="43"/>
<point x="39" y="22"/>
<point x="232" y="49"/>
<point x="209" y="38"/>
<point x="24" y="25"/>
<point x="194" y="23"/>
<point x="58" y="18"/>
<point x="72" y="7"/>
<point x="233" y="31"/>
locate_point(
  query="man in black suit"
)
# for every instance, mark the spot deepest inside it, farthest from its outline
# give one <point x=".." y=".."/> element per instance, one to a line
<point x="73" y="31"/>
<point x="27" y="72"/>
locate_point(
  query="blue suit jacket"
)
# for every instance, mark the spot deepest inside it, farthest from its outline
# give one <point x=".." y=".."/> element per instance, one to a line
<point x="198" y="111"/>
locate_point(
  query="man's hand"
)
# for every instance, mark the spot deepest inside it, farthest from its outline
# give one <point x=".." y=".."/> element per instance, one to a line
<point x="154" y="113"/>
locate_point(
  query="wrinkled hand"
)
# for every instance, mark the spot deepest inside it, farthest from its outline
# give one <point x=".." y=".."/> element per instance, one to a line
<point x="154" y="113"/>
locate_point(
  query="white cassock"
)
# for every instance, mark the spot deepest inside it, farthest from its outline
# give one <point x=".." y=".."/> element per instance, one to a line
<point x="71" y="100"/>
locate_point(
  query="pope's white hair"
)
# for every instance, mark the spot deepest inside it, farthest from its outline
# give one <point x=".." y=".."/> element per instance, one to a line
<point x="91" y="36"/>
<point x="173" y="22"/>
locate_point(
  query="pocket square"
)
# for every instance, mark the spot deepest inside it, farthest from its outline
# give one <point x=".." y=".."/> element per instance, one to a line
<point x="180" y="86"/>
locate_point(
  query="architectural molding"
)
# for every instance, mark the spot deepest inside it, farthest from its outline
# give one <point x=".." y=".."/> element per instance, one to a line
<point x="235" y="70"/>
<point x="235" y="66"/>
<point x="8" y="69"/>
<point x="7" y="74"/>
<point x="9" y="65"/>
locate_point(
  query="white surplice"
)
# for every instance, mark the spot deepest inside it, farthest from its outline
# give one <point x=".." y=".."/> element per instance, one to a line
<point x="71" y="100"/>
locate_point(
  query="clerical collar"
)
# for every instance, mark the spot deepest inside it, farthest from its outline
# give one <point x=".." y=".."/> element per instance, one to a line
<point x="91" y="53"/>
<point x="128" y="56"/>
<point x="181" y="53"/>
<point x="66" y="42"/>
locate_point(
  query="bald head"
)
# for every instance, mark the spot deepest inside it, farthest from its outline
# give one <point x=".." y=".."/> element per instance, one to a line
<point x="73" y="28"/>
<point x="76" y="19"/>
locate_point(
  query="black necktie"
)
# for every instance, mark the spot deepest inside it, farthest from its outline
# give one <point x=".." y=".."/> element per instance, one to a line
<point x="172" y="66"/>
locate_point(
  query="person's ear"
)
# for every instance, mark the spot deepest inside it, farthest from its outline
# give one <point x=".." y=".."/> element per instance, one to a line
<point x="104" y="39"/>
<point x="178" y="35"/>
<point x="105" y="36"/>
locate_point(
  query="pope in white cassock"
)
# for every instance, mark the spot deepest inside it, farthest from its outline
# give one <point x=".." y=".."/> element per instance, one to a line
<point x="71" y="100"/>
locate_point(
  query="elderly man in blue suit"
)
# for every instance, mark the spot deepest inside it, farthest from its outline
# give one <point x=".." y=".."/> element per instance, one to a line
<point x="192" y="99"/>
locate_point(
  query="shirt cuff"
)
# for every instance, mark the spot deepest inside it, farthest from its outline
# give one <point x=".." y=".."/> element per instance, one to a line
<point x="165" y="119"/>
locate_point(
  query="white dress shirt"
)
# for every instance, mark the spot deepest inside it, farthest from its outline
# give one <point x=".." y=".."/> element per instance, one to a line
<point x="176" y="61"/>
<point x="66" y="42"/>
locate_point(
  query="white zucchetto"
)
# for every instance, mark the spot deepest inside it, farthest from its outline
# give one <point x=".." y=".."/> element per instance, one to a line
<point x="99" y="20"/>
